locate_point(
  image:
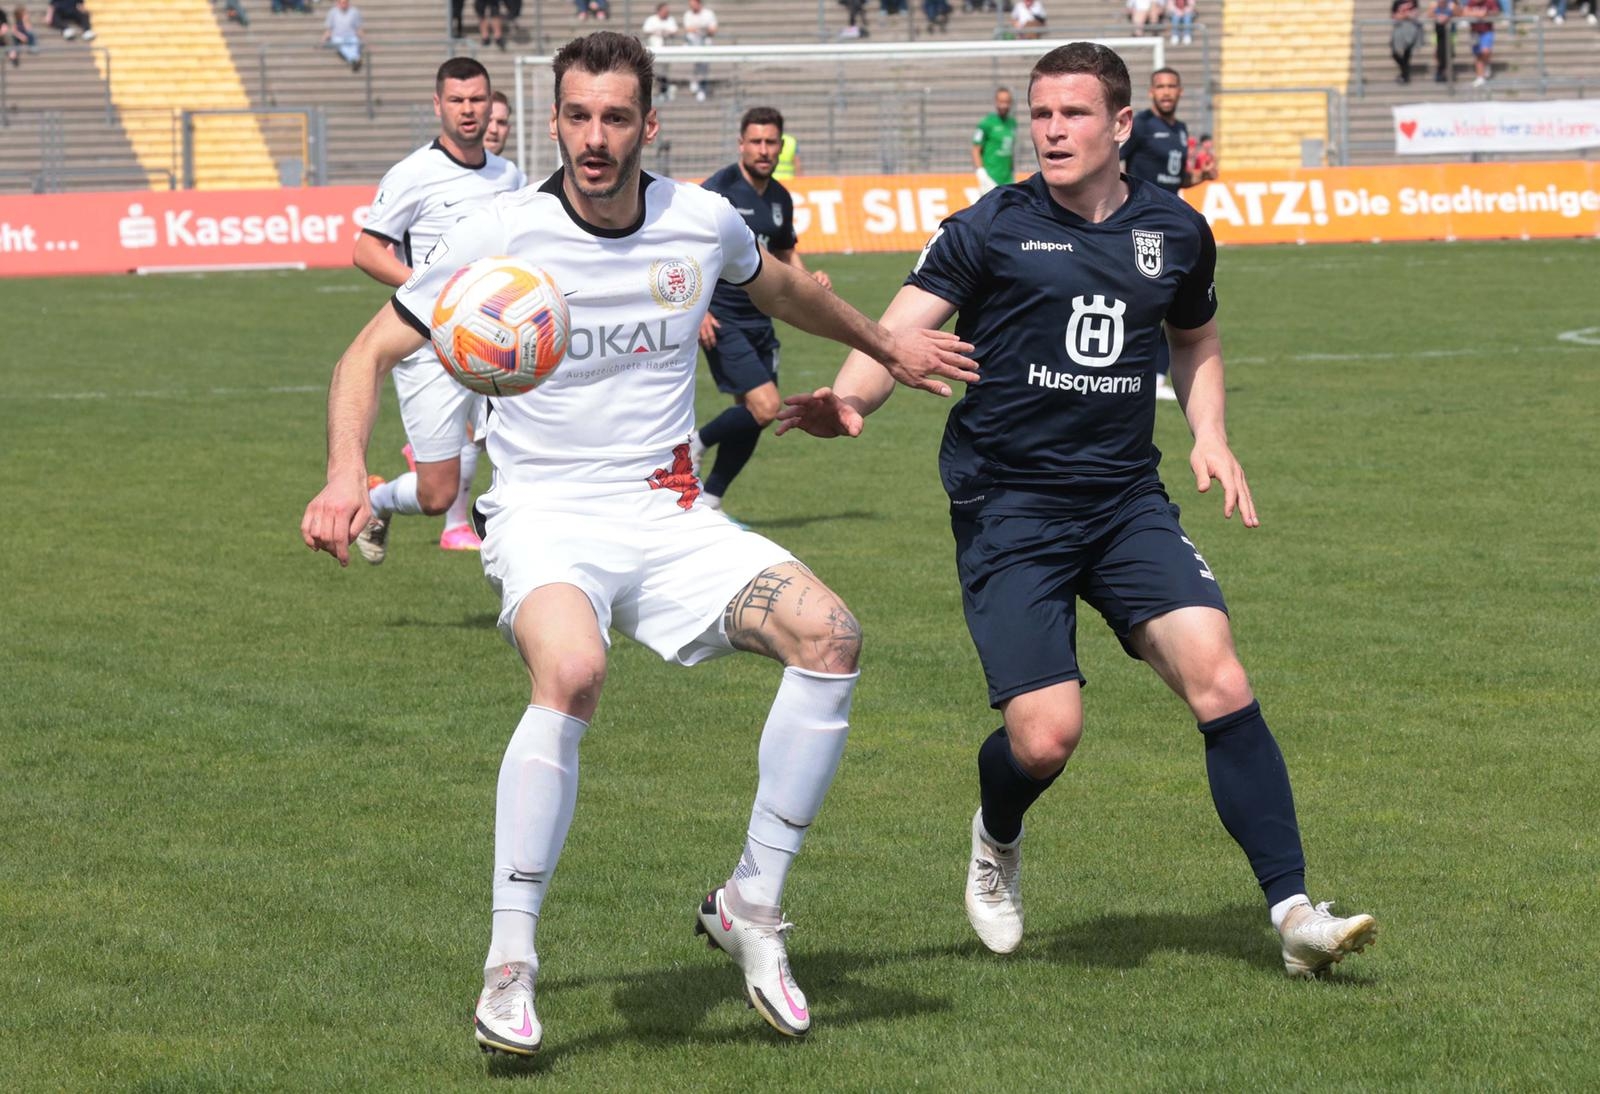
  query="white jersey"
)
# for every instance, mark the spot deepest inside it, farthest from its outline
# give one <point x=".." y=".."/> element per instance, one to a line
<point x="622" y="401"/>
<point x="424" y="194"/>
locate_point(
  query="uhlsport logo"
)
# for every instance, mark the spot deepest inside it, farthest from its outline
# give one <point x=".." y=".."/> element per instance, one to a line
<point x="1147" y="252"/>
<point x="1094" y="333"/>
<point x="675" y="283"/>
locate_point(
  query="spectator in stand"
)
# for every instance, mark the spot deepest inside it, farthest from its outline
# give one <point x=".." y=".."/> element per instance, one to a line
<point x="1405" y="37"/>
<point x="699" y="29"/>
<point x="1483" y="13"/>
<point x="458" y="10"/>
<point x="1443" y="14"/>
<point x="937" y="12"/>
<point x="491" y="22"/>
<point x="1180" y="13"/>
<point x="280" y="6"/>
<point x="9" y="40"/>
<point x="660" y="31"/>
<point x="342" y="31"/>
<point x="1028" y="18"/>
<point x="1143" y="13"/>
<point x="598" y="10"/>
<point x="234" y="11"/>
<point x="1557" y="12"/>
<point x="71" y="18"/>
<point x="22" y="32"/>
<point x="856" y="11"/>
<point x="891" y="7"/>
<point x="498" y="127"/>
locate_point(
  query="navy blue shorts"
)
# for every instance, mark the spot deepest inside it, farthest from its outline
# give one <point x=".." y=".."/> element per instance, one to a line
<point x="744" y="358"/>
<point x="1022" y="573"/>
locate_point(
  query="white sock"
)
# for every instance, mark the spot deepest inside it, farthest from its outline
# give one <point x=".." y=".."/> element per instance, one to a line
<point x="460" y="512"/>
<point x="397" y="496"/>
<point x="1280" y="911"/>
<point x="711" y="501"/>
<point x="800" y="749"/>
<point x="537" y="791"/>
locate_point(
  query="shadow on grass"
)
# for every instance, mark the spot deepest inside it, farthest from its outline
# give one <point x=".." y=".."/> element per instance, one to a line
<point x="667" y="1007"/>
<point x="812" y="518"/>
<point x="476" y="621"/>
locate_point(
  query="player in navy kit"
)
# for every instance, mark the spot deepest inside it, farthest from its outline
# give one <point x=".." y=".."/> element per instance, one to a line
<point x="1157" y="150"/>
<point x="1063" y="285"/>
<point x="740" y="343"/>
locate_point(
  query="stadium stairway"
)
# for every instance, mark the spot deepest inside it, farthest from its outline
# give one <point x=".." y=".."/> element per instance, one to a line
<point x="164" y="59"/>
<point x="57" y="127"/>
<point x="1262" y="52"/>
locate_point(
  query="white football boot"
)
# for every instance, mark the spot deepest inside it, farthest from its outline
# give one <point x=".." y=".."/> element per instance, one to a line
<point x="504" y="1018"/>
<point x="994" y="890"/>
<point x="1314" y="939"/>
<point x="759" y="952"/>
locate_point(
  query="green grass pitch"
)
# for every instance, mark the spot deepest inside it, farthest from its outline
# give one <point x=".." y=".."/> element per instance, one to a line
<point x="246" y="798"/>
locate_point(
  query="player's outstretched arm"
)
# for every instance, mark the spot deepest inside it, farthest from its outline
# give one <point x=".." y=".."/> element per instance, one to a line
<point x="914" y="356"/>
<point x="1197" y="376"/>
<point x="336" y="515"/>
<point x="377" y="260"/>
<point x="863" y="385"/>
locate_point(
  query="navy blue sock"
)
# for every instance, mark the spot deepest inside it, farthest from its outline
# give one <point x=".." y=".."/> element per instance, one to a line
<point x="1005" y="789"/>
<point x="736" y="419"/>
<point x="1250" y="788"/>
<point x="732" y="454"/>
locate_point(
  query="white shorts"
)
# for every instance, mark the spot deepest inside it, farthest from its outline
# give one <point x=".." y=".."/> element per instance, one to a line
<point x="434" y="408"/>
<point x="660" y="574"/>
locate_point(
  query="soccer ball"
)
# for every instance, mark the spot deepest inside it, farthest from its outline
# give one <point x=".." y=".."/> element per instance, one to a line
<point x="500" y="326"/>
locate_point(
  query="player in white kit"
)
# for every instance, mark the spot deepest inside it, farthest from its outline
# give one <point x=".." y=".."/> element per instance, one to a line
<point x="419" y="198"/>
<point x="593" y="521"/>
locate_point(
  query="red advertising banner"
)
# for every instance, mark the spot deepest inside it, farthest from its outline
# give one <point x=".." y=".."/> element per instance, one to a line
<point x="179" y="229"/>
<point x="146" y="231"/>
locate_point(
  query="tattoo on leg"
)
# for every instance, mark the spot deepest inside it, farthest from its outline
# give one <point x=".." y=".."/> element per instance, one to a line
<point x="840" y="649"/>
<point x="751" y="611"/>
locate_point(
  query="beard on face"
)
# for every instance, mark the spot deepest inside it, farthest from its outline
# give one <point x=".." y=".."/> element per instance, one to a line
<point x="629" y="167"/>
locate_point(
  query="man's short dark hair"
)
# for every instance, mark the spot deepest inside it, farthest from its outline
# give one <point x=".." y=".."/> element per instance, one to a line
<point x="761" y="115"/>
<point x="607" y="51"/>
<point x="1088" y="59"/>
<point x="1165" y="72"/>
<point x="459" y="68"/>
<point x="499" y="97"/>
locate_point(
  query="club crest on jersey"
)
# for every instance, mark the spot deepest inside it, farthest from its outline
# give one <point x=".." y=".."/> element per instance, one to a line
<point x="1094" y="333"/>
<point x="777" y="215"/>
<point x="1147" y="252"/>
<point x="675" y="283"/>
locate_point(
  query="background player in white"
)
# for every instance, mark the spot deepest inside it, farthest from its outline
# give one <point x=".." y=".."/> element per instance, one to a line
<point x="417" y="200"/>
<point x="593" y="522"/>
<point x="499" y="127"/>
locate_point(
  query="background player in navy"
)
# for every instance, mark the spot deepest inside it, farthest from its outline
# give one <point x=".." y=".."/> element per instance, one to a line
<point x="741" y="346"/>
<point x="1157" y="150"/>
<point x="1062" y="284"/>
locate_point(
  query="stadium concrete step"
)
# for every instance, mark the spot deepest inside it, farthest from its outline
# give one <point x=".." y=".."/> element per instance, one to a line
<point x="174" y="55"/>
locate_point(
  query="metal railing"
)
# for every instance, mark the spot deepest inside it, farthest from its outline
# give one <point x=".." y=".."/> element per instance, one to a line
<point x="9" y="73"/>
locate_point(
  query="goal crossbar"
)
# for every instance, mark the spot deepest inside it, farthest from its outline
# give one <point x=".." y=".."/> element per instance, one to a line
<point x="527" y="101"/>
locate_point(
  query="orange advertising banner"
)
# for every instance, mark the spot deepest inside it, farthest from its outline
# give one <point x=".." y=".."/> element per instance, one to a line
<point x="317" y="226"/>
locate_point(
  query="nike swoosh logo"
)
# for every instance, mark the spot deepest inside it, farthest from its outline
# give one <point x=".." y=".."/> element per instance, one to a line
<point x="799" y="1012"/>
<point x="727" y="924"/>
<point x="527" y="1023"/>
<point x="514" y="876"/>
<point x="452" y="204"/>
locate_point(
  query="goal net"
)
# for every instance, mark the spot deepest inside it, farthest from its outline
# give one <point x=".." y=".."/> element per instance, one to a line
<point x="861" y="108"/>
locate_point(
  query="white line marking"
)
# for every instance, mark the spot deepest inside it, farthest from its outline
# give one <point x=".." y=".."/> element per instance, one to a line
<point x="218" y="392"/>
<point x="1587" y="336"/>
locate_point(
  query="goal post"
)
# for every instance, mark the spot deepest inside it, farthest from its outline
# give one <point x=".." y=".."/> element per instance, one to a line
<point x="857" y="108"/>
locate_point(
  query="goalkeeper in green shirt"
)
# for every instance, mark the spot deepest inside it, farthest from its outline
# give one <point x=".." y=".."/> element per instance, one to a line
<point x="992" y="144"/>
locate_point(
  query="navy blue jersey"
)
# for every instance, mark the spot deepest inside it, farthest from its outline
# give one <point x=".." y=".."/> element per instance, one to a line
<point x="1065" y="319"/>
<point x="1156" y="151"/>
<point x="770" y="218"/>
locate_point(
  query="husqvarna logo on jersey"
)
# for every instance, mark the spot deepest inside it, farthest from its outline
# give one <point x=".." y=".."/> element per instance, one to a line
<point x="1094" y="333"/>
<point x="1147" y="252"/>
